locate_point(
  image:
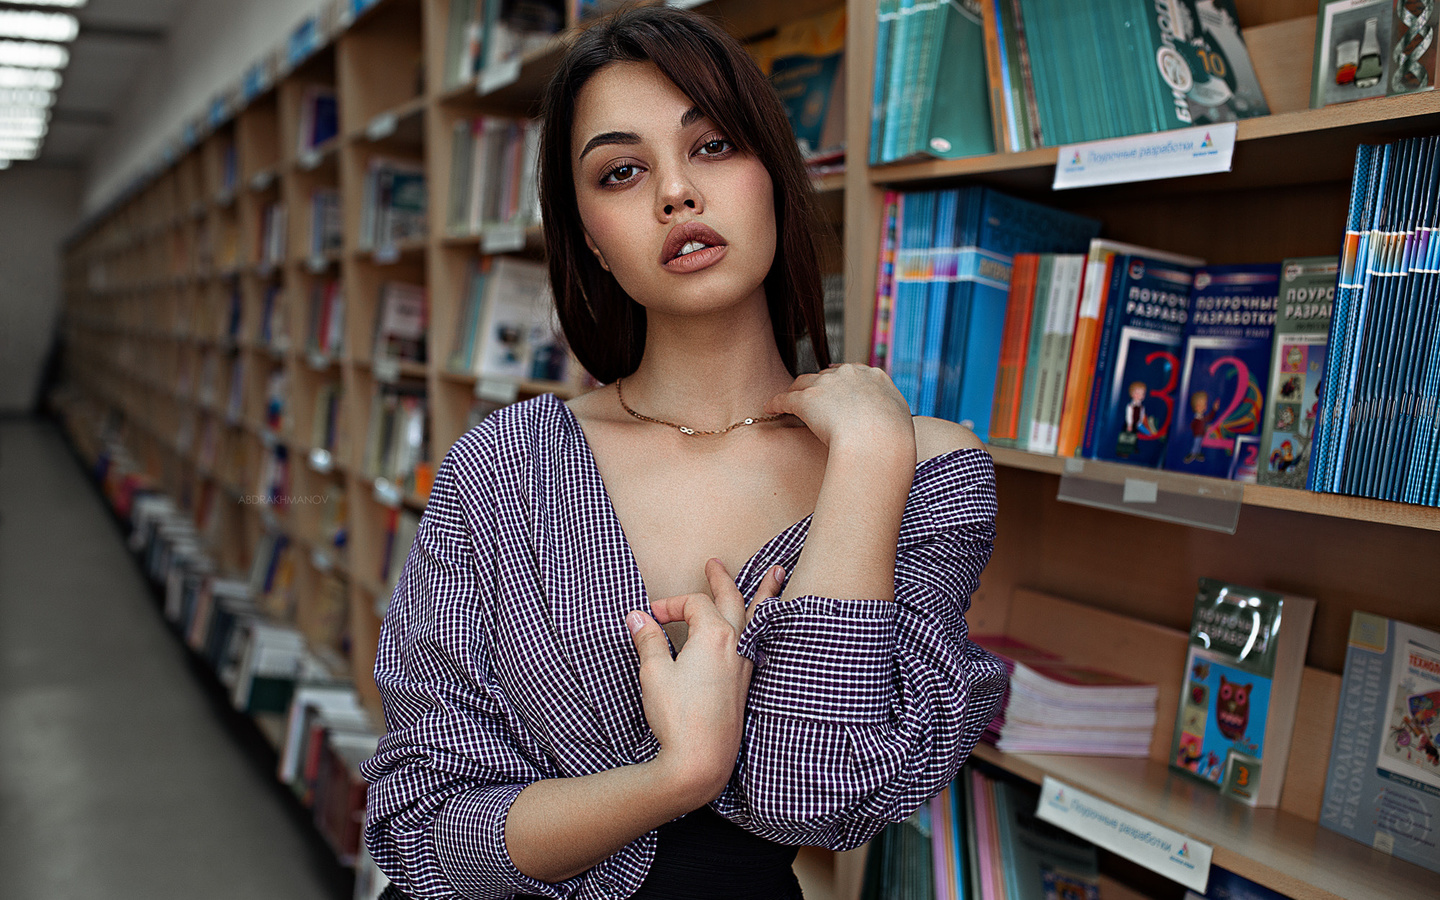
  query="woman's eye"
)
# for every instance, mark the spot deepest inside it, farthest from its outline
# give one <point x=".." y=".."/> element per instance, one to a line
<point x="619" y="174"/>
<point x="715" y="147"/>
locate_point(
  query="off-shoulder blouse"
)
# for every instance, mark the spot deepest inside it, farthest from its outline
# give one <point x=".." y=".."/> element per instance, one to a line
<point x="504" y="659"/>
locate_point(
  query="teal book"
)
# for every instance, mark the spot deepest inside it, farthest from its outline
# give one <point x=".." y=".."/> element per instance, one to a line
<point x="1297" y="365"/>
<point x="954" y="115"/>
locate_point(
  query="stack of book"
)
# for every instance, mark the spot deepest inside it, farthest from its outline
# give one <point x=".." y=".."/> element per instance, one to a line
<point x="1051" y="706"/>
<point x="980" y="838"/>
<point x="325" y="329"/>
<point x="1378" y="434"/>
<point x="963" y="79"/>
<point x="400" y="323"/>
<point x="505" y="326"/>
<point x="396" y="443"/>
<point x="493" y="174"/>
<point x="393" y="206"/>
<point x="494" y="34"/>
<point x="270" y="243"/>
<point x="325" y="233"/>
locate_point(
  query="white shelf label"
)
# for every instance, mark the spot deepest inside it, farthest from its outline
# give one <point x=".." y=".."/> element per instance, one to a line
<point x="493" y="78"/>
<point x="310" y="159"/>
<point x="387" y="493"/>
<point x="387" y="255"/>
<point x="506" y="237"/>
<point x="382" y="126"/>
<point x="317" y="360"/>
<point x="1140" y="490"/>
<point x="317" y="263"/>
<point x="321" y="460"/>
<point x="496" y="390"/>
<point x="261" y="180"/>
<point x="386" y="370"/>
<point x="321" y="561"/>
<point x="1157" y="848"/>
<point x="1145" y="157"/>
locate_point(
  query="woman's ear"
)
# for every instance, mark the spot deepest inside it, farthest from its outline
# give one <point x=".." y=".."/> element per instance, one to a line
<point x="590" y="242"/>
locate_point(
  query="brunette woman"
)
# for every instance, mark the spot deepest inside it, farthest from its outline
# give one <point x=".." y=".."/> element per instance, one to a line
<point x="608" y="669"/>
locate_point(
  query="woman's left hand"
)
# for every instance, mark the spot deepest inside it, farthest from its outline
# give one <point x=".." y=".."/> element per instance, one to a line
<point x="849" y="403"/>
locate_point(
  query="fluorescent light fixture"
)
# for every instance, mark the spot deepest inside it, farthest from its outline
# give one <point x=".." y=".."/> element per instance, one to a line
<point x="18" y="150"/>
<point x="39" y="79"/>
<point x="26" y="98"/>
<point x="69" y="4"/>
<point x="38" y="26"/>
<point x="20" y="128"/>
<point x="4" y="163"/>
<point x="24" y="113"/>
<point x="33" y="55"/>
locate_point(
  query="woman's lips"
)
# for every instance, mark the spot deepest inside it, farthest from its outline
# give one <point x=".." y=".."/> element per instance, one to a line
<point x="694" y="262"/>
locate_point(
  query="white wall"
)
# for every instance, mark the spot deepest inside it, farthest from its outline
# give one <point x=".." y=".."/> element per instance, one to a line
<point x="38" y="207"/>
<point x="207" y="50"/>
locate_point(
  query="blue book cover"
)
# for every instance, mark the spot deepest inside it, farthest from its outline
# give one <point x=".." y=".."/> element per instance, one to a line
<point x="1138" y="369"/>
<point x="1383" y="785"/>
<point x="942" y="274"/>
<point x="1225" y="369"/>
<point x="1006" y="226"/>
<point x="912" y="272"/>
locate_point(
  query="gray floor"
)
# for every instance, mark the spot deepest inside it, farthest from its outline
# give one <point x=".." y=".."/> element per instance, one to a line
<point x="118" y="778"/>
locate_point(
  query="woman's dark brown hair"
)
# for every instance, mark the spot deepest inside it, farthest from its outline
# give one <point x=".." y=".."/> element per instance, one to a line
<point x="605" y="327"/>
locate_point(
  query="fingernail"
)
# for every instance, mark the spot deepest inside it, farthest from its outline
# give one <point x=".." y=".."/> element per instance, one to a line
<point x="778" y="573"/>
<point x="634" y="621"/>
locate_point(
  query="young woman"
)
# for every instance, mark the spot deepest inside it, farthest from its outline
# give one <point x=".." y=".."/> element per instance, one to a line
<point x="545" y="736"/>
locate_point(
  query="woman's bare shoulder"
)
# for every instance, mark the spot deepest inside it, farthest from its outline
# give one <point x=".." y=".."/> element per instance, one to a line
<point x="936" y="436"/>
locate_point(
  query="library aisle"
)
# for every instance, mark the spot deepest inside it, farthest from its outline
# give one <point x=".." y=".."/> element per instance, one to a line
<point x="118" y="775"/>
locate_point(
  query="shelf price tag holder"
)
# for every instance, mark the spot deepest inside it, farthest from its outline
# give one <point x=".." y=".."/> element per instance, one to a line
<point x="1136" y="838"/>
<point x="1209" y="503"/>
<point x="382" y="126"/>
<point x="1201" y="150"/>
<point x="494" y="77"/>
<point x="504" y="237"/>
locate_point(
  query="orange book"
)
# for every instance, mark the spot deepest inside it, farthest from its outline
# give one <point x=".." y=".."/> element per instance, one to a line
<point x="1085" y="347"/>
<point x="1014" y="346"/>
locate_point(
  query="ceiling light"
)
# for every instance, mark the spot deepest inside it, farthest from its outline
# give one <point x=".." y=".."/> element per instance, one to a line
<point x="28" y="113"/>
<point x="26" y="98"/>
<point x="18" y="149"/>
<point x="41" y="79"/>
<point x="10" y="125"/>
<point x="38" y="26"/>
<point x="4" y="163"/>
<point x="33" y="55"/>
<point x="72" y="4"/>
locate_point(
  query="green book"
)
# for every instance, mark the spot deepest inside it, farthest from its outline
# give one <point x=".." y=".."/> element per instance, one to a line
<point x="1302" y="333"/>
<point x="1030" y="380"/>
<point x="953" y="117"/>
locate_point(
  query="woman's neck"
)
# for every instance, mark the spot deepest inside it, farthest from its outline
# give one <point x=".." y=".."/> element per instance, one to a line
<point x="711" y="370"/>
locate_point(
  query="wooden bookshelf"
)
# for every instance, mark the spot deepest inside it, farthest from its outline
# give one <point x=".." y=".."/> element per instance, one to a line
<point x="147" y="301"/>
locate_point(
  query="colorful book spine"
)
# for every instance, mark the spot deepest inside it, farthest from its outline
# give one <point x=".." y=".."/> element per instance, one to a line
<point x="881" y="329"/>
<point x="1014" y="345"/>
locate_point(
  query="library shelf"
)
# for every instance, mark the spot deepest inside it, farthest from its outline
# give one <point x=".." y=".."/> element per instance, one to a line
<point x="1361" y="509"/>
<point x="1278" y="849"/>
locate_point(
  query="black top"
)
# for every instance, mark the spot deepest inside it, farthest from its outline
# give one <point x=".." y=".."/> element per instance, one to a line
<point x="701" y="856"/>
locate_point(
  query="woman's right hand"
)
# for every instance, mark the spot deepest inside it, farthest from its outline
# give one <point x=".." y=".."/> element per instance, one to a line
<point x="695" y="702"/>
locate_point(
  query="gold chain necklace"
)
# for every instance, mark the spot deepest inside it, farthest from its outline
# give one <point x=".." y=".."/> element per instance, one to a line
<point x="683" y="428"/>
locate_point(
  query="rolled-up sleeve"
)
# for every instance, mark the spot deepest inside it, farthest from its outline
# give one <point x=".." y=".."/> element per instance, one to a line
<point x="455" y="755"/>
<point x="861" y="710"/>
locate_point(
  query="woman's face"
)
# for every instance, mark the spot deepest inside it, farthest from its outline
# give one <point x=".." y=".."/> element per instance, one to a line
<point x="683" y="219"/>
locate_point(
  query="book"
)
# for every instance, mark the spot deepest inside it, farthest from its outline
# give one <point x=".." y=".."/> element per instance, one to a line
<point x="393" y="204"/>
<point x="1297" y="365"/>
<point x="1090" y="314"/>
<point x="1220" y="404"/>
<point x="319" y="117"/>
<point x="1040" y="860"/>
<point x="1014" y="347"/>
<point x="517" y="339"/>
<point x="400" y="322"/>
<point x="1384" y="773"/>
<point x="1240" y="690"/>
<point x="805" y="62"/>
<point x="1372" y="48"/>
<point x="1137" y="367"/>
<point x="1226" y="885"/>
<point x="1043" y="401"/>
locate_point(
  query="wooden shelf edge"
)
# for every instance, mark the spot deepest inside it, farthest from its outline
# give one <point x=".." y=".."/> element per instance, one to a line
<point x="1340" y="506"/>
<point x="1279" y="850"/>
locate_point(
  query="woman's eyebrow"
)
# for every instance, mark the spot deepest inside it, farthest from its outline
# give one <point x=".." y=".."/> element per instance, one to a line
<point x="690" y="117"/>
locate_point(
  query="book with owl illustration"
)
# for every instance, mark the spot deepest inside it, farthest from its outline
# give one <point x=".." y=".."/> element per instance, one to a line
<point x="1302" y="335"/>
<point x="1241" y="688"/>
<point x="1225" y="370"/>
<point x="1383" y="786"/>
